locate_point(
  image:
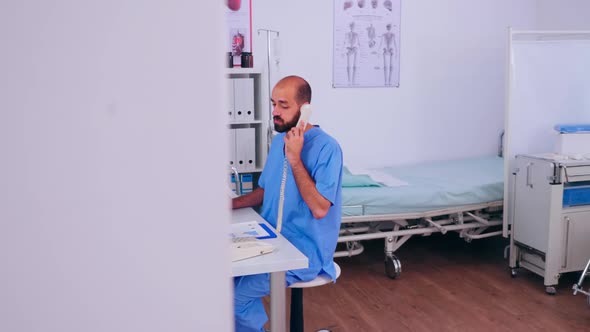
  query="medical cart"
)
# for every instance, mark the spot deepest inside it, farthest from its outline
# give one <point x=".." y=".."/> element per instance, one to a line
<point x="551" y="216"/>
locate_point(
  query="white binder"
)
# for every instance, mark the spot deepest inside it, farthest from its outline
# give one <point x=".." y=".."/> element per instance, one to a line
<point x="244" y="99"/>
<point x="232" y="148"/>
<point x="231" y="100"/>
<point x="245" y="149"/>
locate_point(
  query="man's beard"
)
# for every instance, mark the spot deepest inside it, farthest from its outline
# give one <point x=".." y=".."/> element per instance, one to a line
<point x="281" y="128"/>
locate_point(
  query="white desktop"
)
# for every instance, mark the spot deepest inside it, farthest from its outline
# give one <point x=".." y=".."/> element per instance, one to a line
<point x="283" y="257"/>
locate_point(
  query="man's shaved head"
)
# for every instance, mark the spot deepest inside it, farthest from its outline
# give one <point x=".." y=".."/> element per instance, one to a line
<point x="303" y="90"/>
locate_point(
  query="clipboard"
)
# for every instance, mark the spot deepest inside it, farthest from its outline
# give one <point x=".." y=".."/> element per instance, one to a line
<point x="271" y="234"/>
<point x="252" y="229"/>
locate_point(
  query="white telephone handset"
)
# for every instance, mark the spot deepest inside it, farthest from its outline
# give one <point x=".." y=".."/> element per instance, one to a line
<point x="305" y="115"/>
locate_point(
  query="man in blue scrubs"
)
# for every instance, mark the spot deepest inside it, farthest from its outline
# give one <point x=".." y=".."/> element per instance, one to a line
<point x="306" y="164"/>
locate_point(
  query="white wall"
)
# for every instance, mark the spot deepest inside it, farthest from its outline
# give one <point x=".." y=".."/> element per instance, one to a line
<point x="450" y="102"/>
<point x="563" y="15"/>
<point x="112" y="206"/>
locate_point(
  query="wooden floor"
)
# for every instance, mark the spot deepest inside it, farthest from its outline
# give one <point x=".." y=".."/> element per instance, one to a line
<point x="446" y="285"/>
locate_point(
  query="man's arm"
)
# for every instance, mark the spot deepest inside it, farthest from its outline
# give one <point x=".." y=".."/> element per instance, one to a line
<point x="251" y="199"/>
<point x="317" y="203"/>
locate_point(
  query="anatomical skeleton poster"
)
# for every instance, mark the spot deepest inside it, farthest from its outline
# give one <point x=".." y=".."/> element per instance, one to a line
<point x="239" y="28"/>
<point x="366" y="43"/>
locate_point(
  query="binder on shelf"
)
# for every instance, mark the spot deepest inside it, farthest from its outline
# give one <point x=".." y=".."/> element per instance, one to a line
<point x="247" y="180"/>
<point x="232" y="148"/>
<point x="244" y="99"/>
<point x="231" y="100"/>
<point x="232" y="184"/>
<point x="245" y="149"/>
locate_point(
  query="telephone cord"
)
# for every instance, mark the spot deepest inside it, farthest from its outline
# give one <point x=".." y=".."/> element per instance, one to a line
<point x="282" y="196"/>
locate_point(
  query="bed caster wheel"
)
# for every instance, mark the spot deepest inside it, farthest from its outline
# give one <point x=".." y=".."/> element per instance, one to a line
<point x="550" y="290"/>
<point x="513" y="273"/>
<point x="393" y="266"/>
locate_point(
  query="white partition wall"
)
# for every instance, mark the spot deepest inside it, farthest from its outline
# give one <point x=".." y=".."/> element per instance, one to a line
<point x="113" y="194"/>
<point x="548" y="84"/>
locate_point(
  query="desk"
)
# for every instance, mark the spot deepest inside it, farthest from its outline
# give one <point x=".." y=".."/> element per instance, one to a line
<point x="284" y="257"/>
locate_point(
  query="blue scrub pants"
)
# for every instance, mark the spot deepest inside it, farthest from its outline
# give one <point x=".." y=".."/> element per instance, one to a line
<point x="249" y="312"/>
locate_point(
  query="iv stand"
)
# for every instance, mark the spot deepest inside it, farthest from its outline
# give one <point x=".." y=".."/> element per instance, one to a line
<point x="271" y="124"/>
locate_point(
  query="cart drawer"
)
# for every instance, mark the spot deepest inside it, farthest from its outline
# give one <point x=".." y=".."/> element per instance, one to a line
<point x="576" y="195"/>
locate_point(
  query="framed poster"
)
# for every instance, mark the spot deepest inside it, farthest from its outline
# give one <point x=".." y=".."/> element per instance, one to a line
<point x="366" y="43"/>
<point x="239" y="28"/>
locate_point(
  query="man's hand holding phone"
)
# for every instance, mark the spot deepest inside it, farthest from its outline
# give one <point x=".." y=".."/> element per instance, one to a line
<point x="294" y="138"/>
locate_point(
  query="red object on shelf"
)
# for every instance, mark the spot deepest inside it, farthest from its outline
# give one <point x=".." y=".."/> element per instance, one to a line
<point x="234" y="4"/>
<point x="239" y="24"/>
<point x="237" y="43"/>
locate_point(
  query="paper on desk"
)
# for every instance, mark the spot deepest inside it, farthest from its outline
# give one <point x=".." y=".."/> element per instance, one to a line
<point x="249" y="229"/>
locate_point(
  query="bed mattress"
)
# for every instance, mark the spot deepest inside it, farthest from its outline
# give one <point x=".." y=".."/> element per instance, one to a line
<point x="427" y="186"/>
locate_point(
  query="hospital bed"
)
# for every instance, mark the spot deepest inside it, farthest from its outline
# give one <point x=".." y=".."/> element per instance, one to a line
<point x="395" y="203"/>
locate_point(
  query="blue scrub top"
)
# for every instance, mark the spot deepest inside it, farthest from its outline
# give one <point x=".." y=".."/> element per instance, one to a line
<point x="315" y="238"/>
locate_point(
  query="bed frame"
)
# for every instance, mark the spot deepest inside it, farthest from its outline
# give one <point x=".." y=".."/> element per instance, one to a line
<point x="470" y="221"/>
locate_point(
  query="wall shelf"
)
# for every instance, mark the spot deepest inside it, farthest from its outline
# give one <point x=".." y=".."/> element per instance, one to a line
<point x="231" y="123"/>
<point x="239" y="70"/>
<point x="247" y="120"/>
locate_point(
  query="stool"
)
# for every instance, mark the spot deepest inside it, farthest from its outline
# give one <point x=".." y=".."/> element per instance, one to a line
<point x="296" y="322"/>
